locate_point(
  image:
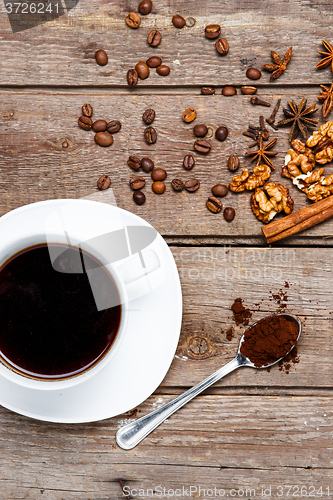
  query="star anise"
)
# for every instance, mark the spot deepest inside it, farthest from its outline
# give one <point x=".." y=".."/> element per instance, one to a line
<point x="326" y="95"/>
<point x="262" y="154"/>
<point x="328" y="56"/>
<point x="279" y="66"/>
<point x="298" y="118"/>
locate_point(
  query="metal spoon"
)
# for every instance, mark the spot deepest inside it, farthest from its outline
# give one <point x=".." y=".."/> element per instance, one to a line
<point x="132" y="434"/>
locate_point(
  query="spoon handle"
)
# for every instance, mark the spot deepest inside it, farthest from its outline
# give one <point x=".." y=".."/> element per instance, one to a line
<point x="132" y="434"/>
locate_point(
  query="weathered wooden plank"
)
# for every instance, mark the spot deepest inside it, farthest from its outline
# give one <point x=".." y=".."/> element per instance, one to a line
<point x="62" y="52"/>
<point x="223" y="442"/>
<point x="44" y="155"/>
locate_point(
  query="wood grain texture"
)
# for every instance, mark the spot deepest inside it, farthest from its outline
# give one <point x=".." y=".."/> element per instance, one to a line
<point x="45" y="155"/>
<point x="215" y="441"/>
<point x="61" y="52"/>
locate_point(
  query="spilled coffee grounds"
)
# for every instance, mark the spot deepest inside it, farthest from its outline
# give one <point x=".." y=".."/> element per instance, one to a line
<point x="269" y="339"/>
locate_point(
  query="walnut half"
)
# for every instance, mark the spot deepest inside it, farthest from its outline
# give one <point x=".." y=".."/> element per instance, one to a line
<point x="276" y="199"/>
<point x="247" y="181"/>
<point x="299" y="160"/>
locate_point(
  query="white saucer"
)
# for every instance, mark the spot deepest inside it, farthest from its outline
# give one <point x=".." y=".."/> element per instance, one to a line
<point x="145" y="354"/>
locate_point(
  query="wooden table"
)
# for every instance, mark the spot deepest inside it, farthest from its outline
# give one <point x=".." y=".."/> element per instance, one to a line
<point x="255" y="429"/>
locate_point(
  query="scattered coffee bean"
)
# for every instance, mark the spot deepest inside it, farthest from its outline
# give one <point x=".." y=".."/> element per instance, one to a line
<point x="154" y="38"/>
<point x="212" y="30"/>
<point x="104" y="139"/>
<point x="148" y="116"/>
<point x="100" y="125"/>
<point x="189" y="115"/>
<point x="134" y="162"/>
<point x="229" y="90"/>
<point x="163" y="70"/>
<point x="178" y="21"/>
<point x="137" y="183"/>
<point x="202" y="146"/>
<point x="101" y="57"/>
<point x="133" y="20"/>
<point x="85" y="122"/>
<point x="147" y="165"/>
<point x="145" y="7"/>
<point x="150" y="135"/>
<point x="248" y="90"/>
<point x="158" y="187"/>
<point x="142" y="70"/>
<point x="113" y="126"/>
<point x="103" y="182"/>
<point x="177" y="184"/>
<point x="253" y="73"/>
<point x="221" y="133"/>
<point x="219" y="190"/>
<point x="222" y="46"/>
<point x="214" y="204"/>
<point x="233" y="163"/>
<point x="192" y="185"/>
<point x="132" y="77"/>
<point x="200" y="130"/>
<point x="139" y="197"/>
<point x="159" y="174"/>
<point x="154" y="61"/>
<point x="207" y="90"/>
<point x="229" y="214"/>
<point x="87" y="110"/>
<point x="188" y="162"/>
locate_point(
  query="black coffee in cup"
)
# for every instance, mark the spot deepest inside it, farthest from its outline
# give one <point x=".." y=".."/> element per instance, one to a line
<point x="50" y="325"/>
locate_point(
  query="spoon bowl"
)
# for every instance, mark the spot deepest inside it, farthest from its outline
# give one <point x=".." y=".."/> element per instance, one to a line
<point x="132" y="434"/>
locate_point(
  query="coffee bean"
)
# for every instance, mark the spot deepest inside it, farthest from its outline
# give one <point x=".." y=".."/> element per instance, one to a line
<point x="159" y="174"/>
<point x="207" y="90"/>
<point x="221" y="133"/>
<point x="163" y="70"/>
<point x="192" y="185"/>
<point x="139" y="197"/>
<point x="177" y="184"/>
<point x="189" y="115"/>
<point x="253" y="73"/>
<point x="219" y="190"/>
<point x="87" y="110"/>
<point x="233" y="163"/>
<point x="142" y="70"/>
<point x="148" y="116"/>
<point x="147" y="164"/>
<point x="229" y="214"/>
<point x="103" y="139"/>
<point x="229" y="90"/>
<point x="214" y="204"/>
<point x="178" y="21"/>
<point x="103" y="182"/>
<point x="113" y="126"/>
<point x="158" y="187"/>
<point x="202" y="146"/>
<point x="101" y="57"/>
<point x="188" y="162"/>
<point x="248" y="90"/>
<point x="137" y="183"/>
<point x="145" y="7"/>
<point x="222" y="46"/>
<point x="154" y="61"/>
<point x="134" y="162"/>
<point x="212" y="30"/>
<point x="133" y="20"/>
<point x="200" y="130"/>
<point x="132" y="77"/>
<point x="100" y="125"/>
<point x="154" y="38"/>
<point x="85" y="122"/>
<point x="150" y="135"/>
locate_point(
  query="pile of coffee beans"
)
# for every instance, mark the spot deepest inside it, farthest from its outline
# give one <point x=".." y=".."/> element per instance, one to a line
<point x="158" y="175"/>
<point x="104" y="129"/>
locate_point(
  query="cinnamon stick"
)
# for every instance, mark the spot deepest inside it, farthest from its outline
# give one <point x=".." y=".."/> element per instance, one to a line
<point x="300" y="220"/>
